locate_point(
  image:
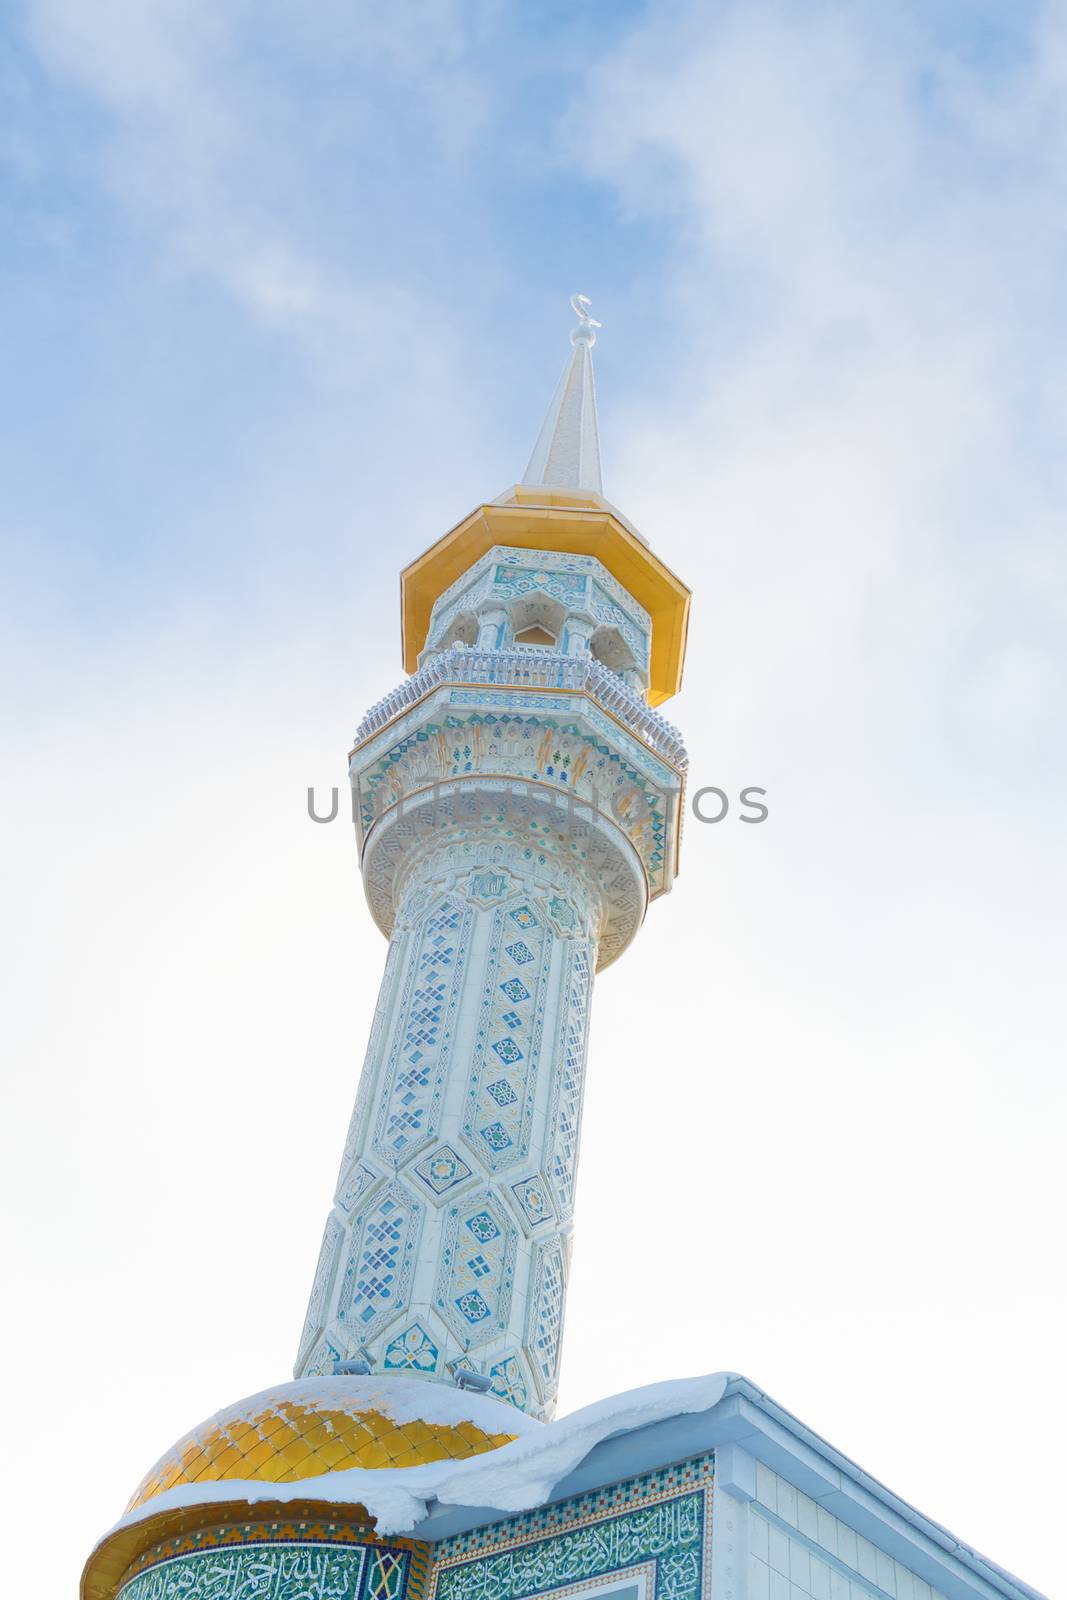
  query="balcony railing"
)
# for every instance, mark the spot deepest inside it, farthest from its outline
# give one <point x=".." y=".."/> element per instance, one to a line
<point x="531" y="669"/>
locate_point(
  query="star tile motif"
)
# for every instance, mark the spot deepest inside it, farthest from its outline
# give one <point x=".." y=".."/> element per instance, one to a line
<point x="413" y="1351"/>
<point x="534" y="1201"/>
<point x="496" y="1136"/>
<point x="508" y="1382"/>
<point x="473" y="1307"/>
<point x="562" y="913"/>
<point x="356" y="1183"/>
<point x="442" y="1169"/>
<point x="488" y="886"/>
<point x="483" y="1227"/>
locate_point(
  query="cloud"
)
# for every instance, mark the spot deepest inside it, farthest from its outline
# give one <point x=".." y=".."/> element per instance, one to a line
<point x="869" y="247"/>
<point x="204" y="140"/>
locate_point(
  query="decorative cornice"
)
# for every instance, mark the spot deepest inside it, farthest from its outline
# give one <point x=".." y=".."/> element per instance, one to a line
<point x="461" y="667"/>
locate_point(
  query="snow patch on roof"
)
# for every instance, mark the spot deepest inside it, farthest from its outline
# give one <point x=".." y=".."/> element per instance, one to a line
<point x="524" y="1474"/>
<point x="400" y="1398"/>
<point x="515" y="1477"/>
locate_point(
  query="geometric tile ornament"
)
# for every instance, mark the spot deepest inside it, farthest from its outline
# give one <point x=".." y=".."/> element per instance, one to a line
<point x="413" y="1351"/>
<point x="534" y="1203"/>
<point x="325" y="1353"/>
<point x="581" y="584"/>
<point x="359" y="1178"/>
<point x="355" y="1138"/>
<point x="477" y="1271"/>
<point x="509" y="1383"/>
<point x="565" y="1115"/>
<point x="331" y="1242"/>
<point x="418" y="1061"/>
<point x="441" y="1170"/>
<point x="544" y="1329"/>
<point x="605" y="768"/>
<point x="499" y="1108"/>
<point x="385" y="1239"/>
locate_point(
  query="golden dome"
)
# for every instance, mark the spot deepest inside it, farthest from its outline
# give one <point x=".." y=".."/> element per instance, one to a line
<point x="296" y="1433"/>
<point x="301" y="1430"/>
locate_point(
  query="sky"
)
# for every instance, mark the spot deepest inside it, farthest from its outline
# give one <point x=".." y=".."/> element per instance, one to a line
<point x="283" y="296"/>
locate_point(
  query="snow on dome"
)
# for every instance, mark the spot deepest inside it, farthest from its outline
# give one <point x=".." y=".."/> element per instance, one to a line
<point x="299" y="1431"/>
<point x="520" y="1474"/>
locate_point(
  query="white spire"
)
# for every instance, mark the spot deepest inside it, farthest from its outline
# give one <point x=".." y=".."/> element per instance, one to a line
<point x="567" y="452"/>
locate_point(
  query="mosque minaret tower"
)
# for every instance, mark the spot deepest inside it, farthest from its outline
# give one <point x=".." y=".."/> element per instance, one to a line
<point x="517" y="804"/>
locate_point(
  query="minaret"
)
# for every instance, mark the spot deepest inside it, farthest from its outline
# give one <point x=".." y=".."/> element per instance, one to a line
<point x="517" y="804"/>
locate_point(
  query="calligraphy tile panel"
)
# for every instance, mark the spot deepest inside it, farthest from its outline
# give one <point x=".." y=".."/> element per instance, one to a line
<point x="661" y="1521"/>
<point x="276" y="1570"/>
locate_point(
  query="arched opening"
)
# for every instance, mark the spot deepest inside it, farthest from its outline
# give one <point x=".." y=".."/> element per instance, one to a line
<point x="537" y="636"/>
<point x="611" y="650"/>
<point x="537" y="621"/>
<point x="464" y="630"/>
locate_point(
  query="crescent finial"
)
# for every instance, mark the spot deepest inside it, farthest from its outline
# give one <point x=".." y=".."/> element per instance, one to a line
<point x="585" y="332"/>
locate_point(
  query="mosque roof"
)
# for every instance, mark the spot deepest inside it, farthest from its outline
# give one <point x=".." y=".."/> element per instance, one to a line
<point x="425" y="1460"/>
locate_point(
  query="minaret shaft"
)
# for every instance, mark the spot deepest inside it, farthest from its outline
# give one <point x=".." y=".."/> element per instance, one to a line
<point x="448" y="1241"/>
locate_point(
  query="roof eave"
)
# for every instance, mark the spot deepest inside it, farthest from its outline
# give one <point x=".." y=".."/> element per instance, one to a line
<point x="746" y="1426"/>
